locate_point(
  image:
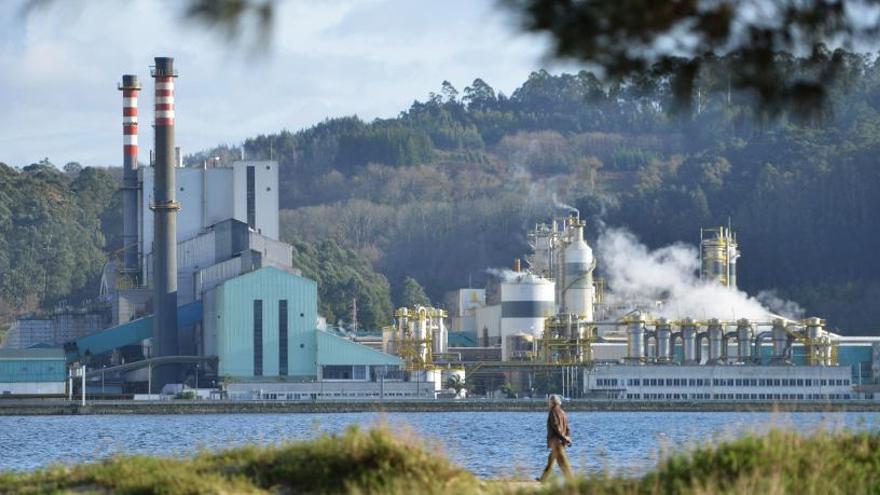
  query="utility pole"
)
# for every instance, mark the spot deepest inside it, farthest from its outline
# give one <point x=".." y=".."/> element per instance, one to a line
<point x="354" y="315"/>
<point x="84" y="385"/>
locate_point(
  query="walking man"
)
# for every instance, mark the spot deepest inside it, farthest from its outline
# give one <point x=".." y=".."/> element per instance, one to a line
<point x="558" y="438"/>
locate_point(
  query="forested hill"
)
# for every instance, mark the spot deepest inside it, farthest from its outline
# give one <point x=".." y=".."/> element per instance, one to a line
<point x="448" y="187"/>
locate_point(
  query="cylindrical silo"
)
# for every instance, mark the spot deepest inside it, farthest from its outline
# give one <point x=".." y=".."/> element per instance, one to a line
<point x="525" y="302"/>
<point x="780" y="341"/>
<point x="743" y="340"/>
<point x="577" y="295"/>
<point x="440" y="336"/>
<point x="635" y="338"/>
<point x="664" y="342"/>
<point x="689" y="340"/>
<point x="716" y="340"/>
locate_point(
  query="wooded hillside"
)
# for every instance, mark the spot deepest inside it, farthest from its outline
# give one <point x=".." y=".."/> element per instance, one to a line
<point x="449" y="187"/>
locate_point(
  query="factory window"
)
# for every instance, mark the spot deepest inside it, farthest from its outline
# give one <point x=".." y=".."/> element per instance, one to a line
<point x="669" y="382"/>
<point x="282" y="337"/>
<point x="359" y="373"/>
<point x="336" y="372"/>
<point x="258" y="337"/>
<point x="251" y="200"/>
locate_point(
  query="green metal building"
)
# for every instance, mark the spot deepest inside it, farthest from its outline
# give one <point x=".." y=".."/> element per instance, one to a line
<point x="262" y="328"/>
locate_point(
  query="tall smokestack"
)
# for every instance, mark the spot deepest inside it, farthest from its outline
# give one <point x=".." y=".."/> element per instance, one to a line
<point x="130" y="88"/>
<point x="164" y="214"/>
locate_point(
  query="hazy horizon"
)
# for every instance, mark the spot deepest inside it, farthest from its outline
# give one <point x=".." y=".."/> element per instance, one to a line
<point x="325" y="59"/>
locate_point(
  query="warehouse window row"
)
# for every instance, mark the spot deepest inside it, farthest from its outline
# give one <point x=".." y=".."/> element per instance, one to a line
<point x="723" y="382"/>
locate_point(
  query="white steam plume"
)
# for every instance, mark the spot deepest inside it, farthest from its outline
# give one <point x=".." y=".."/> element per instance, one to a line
<point x="564" y="206"/>
<point x="505" y="274"/>
<point x="670" y="274"/>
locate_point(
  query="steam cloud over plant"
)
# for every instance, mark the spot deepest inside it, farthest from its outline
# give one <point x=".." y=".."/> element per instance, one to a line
<point x="635" y="273"/>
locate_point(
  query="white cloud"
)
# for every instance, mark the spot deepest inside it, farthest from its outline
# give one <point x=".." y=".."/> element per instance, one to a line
<point x="59" y="68"/>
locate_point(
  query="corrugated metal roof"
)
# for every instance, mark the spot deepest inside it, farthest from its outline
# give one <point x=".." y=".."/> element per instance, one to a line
<point x="333" y="350"/>
<point x="36" y="353"/>
<point x="463" y="339"/>
<point x="130" y="332"/>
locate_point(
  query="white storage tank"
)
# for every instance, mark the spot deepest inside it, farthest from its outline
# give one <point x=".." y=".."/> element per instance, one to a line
<point x="526" y="301"/>
<point x="577" y="292"/>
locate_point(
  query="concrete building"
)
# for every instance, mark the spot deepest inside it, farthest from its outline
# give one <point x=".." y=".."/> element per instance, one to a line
<point x="55" y="328"/>
<point x="246" y="191"/>
<point x="32" y="371"/>
<point x="739" y="383"/>
<point x="463" y="306"/>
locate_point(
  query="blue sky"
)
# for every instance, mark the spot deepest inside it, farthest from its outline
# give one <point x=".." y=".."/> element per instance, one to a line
<point x="59" y="68"/>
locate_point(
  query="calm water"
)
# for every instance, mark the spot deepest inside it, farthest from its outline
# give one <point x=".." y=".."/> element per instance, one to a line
<point x="489" y="444"/>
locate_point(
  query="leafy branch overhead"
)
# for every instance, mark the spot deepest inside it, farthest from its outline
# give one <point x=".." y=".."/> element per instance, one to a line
<point x="675" y="38"/>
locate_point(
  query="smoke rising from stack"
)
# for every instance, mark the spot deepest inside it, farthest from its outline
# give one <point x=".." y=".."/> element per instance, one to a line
<point x="635" y="273"/>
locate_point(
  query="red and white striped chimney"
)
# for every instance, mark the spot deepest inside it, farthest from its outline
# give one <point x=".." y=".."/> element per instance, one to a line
<point x="164" y="100"/>
<point x="130" y="88"/>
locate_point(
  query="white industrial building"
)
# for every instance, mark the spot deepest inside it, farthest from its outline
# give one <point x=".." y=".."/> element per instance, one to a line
<point x="246" y="191"/>
<point x="741" y="383"/>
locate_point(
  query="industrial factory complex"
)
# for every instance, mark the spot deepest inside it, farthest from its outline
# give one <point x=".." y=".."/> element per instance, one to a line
<point x="204" y="297"/>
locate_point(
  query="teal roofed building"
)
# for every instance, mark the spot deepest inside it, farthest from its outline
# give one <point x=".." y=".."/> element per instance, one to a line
<point x="36" y="371"/>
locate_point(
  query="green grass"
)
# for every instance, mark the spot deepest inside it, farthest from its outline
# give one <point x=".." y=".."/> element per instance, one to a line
<point x="780" y="462"/>
<point x="369" y="462"/>
<point x="379" y="461"/>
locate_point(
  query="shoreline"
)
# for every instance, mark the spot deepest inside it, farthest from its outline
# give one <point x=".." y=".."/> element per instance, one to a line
<point x="16" y="407"/>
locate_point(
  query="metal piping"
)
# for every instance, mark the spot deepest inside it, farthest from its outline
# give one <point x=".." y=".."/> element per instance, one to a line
<point x="758" y="338"/>
<point x="165" y="206"/>
<point x="672" y="339"/>
<point x="649" y="334"/>
<point x="725" y="346"/>
<point x="698" y="348"/>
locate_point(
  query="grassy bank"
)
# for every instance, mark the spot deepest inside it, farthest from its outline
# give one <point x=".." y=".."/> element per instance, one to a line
<point x="376" y="461"/>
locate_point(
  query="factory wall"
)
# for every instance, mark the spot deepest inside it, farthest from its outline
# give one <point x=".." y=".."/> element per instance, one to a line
<point x="487" y="322"/>
<point x="228" y="195"/>
<point x="242" y="315"/>
<point x="55" y="329"/>
<point x="259" y="179"/>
